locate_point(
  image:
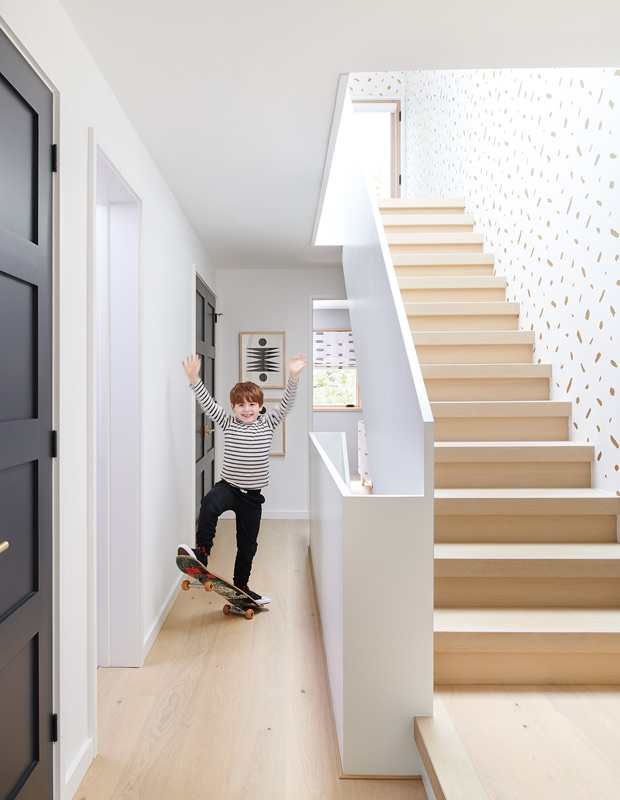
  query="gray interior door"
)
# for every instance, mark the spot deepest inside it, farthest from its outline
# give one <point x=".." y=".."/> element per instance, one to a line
<point x="25" y="430"/>
<point x="206" y="318"/>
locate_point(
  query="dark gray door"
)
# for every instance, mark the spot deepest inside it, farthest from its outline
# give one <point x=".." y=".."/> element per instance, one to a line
<point x="206" y="318"/>
<point x="25" y="430"/>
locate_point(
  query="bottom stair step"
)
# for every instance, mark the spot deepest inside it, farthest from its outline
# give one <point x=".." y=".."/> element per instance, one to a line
<point x="447" y="764"/>
<point x="504" y="646"/>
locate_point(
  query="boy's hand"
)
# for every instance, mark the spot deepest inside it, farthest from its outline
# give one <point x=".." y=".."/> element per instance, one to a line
<point x="295" y="365"/>
<point x="192" y="368"/>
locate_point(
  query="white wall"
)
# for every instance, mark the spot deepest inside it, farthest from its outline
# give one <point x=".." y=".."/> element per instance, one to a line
<point x="534" y="152"/>
<point x="169" y="248"/>
<point x="274" y="300"/>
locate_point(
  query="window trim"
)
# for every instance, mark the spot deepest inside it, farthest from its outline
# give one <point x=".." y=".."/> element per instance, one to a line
<point x="335" y="407"/>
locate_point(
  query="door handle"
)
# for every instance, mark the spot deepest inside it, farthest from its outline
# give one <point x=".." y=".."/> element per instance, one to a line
<point x="206" y="431"/>
<point x="4" y="546"/>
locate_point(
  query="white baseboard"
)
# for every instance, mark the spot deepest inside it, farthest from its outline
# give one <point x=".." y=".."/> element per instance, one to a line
<point x="273" y="514"/>
<point x="155" y="628"/>
<point x="75" y="772"/>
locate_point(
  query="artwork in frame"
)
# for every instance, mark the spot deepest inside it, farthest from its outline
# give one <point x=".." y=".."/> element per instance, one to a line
<point x="261" y="358"/>
<point x="278" y="443"/>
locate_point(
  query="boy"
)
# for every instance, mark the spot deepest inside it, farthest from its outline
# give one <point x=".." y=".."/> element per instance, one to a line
<point x="245" y="471"/>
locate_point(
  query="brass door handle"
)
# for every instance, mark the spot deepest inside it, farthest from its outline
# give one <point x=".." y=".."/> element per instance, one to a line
<point x="206" y="431"/>
<point x="4" y="546"/>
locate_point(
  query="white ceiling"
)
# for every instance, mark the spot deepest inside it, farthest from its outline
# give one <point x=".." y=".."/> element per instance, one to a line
<point x="234" y="100"/>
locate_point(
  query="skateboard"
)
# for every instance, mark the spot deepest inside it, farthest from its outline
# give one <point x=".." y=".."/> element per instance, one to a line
<point x="238" y="602"/>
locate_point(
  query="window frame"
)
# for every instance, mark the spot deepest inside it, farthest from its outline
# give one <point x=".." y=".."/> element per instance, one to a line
<point x="335" y="407"/>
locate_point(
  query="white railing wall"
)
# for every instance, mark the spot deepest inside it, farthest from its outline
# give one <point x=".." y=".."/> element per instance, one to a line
<point x="372" y="555"/>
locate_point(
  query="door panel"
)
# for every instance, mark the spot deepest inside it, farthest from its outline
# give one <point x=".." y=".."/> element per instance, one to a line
<point x="205" y="347"/>
<point x="25" y="430"/>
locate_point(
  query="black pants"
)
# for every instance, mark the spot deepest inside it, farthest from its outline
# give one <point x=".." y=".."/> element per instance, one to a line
<point x="247" y="505"/>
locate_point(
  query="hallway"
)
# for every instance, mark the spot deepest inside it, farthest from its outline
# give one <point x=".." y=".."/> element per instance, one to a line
<point x="236" y="709"/>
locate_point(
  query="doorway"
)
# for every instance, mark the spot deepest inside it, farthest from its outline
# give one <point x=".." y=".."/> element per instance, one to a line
<point x="117" y="402"/>
<point x="378" y="124"/>
<point x="206" y="319"/>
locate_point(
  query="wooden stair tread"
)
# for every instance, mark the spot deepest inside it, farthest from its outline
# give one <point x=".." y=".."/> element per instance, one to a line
<point x="448" y="766"/>
<point x="389" y="203"/>
<point x="453" y="282"/>
<point x="501" y="408"/>
<point x="573" y="561"/>
<point x="518" y="502"/>
<point x="453" y="309"/>
<point x="512" y="451"/>
<point x="485" y="371"/>
<point x="546" y="621"/>
<point x="455" y="338"/>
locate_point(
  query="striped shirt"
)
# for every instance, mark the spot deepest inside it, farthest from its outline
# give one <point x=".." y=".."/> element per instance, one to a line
<point x="246" y="447"/>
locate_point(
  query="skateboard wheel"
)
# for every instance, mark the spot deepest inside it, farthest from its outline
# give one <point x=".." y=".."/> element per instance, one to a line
<point x="185" y="586"/>
<point x="226" y="610"/>
<point x="249" y="614"/>
<point x="208" y="587"/>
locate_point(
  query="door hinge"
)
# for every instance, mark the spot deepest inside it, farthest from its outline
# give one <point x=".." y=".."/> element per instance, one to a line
<point x="54" y="728"/>
<point x="54" y="444"/>
<point x="400" y="180"/>
<point x="54" y="158"/>
<point x="400" y="116"/>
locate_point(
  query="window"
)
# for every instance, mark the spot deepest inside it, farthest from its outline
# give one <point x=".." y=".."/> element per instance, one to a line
<point x="334" y="372"/>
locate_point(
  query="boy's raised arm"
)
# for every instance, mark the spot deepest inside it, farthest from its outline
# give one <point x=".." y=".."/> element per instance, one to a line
<point x="295" y="365"/>
<point x="191" y="365"/>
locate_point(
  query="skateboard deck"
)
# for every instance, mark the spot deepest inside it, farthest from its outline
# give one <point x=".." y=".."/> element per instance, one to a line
<point x="238" y="602"/>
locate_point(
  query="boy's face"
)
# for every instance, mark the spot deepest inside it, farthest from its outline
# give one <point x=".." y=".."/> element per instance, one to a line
<point x="246" y="411"/>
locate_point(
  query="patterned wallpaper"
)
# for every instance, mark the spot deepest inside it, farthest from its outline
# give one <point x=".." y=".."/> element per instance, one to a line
<point x="373" y="85"/>
<point x="535" y="155"/>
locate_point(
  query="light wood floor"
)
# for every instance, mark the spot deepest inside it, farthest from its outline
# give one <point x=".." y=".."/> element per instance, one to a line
<point x="229" y="708"/>
<point x="540" y="742"/>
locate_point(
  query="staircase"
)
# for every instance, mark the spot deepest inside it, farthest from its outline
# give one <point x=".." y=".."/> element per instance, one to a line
<point x="527" y="562"/>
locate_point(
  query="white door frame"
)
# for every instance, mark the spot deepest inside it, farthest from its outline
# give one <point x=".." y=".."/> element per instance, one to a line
<point x="115" y="323"/>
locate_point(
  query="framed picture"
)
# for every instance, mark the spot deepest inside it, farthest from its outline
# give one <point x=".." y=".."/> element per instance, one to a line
<point x="261" y="359"/>
<point x="278" y="443"/>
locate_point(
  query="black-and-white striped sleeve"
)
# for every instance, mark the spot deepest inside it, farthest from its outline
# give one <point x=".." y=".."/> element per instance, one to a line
<point x="279" y="411"/>
<point x="215" y="412"/>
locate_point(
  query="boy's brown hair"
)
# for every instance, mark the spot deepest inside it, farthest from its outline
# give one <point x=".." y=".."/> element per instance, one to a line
<point x="247" y="391"/>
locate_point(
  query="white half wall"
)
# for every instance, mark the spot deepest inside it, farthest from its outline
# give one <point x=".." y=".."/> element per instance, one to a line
<point x="370" y="557"/>
<point x="169" y="249"/>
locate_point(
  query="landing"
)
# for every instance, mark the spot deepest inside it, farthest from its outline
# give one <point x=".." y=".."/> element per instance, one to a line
<point x="540" y="742"/>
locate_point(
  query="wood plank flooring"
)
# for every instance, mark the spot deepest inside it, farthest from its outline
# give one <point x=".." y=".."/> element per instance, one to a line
<point x="540" y="742"/>
<point x="230" y="708"/>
